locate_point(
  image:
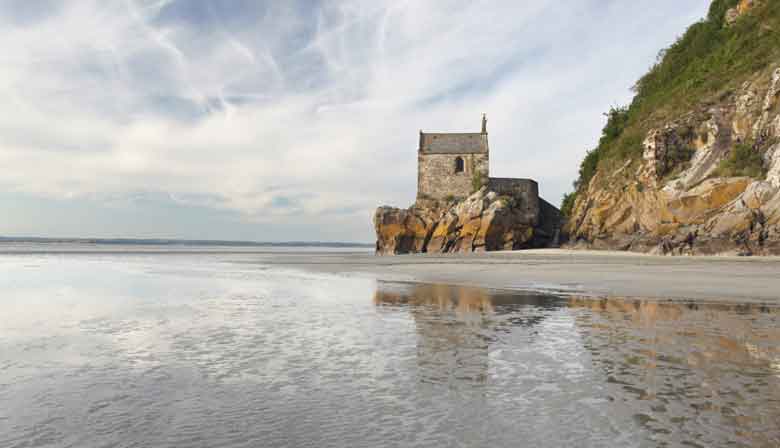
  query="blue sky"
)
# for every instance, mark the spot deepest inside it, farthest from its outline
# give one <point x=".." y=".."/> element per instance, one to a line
<point x="293" y="120"/>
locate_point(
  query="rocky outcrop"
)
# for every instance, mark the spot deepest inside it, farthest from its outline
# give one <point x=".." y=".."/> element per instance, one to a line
<point x="733" y="14"/>
<point x="675" y="200"/>
<point x="485" y="221"/>
<point x="401" y="231"/>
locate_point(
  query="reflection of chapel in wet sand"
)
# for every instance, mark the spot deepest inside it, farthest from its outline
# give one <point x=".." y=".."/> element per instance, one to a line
<point x="450" y="323"/>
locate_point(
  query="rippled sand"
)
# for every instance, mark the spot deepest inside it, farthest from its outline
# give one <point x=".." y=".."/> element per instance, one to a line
<point x="223" y="350"/>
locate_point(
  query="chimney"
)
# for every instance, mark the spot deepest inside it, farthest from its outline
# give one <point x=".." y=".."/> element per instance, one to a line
<point x="484" y="123"/>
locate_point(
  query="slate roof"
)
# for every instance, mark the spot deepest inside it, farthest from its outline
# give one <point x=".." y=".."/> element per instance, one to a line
<point x="453" y="143"/>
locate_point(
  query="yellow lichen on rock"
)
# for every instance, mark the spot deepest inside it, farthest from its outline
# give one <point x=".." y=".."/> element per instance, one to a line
<point x="693" y="206"/>
<point x="482" y="222"/>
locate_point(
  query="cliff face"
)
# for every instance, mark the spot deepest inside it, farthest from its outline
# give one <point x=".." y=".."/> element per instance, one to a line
<point x="485" y="221"/>
<point x="705" y="177"/>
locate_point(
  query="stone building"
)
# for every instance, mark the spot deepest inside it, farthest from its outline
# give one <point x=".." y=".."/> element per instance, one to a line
<point x="452" y="164"/>
<point x="460" y="208"/>
<point x="455" y="165"/>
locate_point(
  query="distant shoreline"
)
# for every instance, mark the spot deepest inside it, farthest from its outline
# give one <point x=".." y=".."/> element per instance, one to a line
<point x="180" y="242"/>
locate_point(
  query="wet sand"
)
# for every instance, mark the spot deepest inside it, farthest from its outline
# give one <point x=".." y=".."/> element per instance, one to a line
<point x="163" y="348"/>
<point x="615" y="274"/>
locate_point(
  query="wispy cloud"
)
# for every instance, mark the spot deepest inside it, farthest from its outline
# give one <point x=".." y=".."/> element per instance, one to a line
<point x="298" y="116"/>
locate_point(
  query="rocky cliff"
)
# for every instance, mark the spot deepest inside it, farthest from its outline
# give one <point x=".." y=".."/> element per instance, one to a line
<point x="485" y="221"/>
<point x="692" y="166"/>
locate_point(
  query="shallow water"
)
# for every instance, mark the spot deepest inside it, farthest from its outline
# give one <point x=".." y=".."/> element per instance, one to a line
<point x="209" y="350"/>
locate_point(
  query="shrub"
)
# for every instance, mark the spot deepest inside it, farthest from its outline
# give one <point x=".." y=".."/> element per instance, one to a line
<point x="677" y="159"/>
<point x="744" y="160"/>
<point x="567" y="204"/>
<point x="477" y="181"/>
<point x="617" y="118"/>
<point x="718" y="10"/>
<point x="587" y="169"/>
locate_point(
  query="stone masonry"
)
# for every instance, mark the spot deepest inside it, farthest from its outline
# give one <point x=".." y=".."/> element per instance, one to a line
<point x="452" y="166"/>
<point x="525" y="189"/>
<point x="455" y="165"/>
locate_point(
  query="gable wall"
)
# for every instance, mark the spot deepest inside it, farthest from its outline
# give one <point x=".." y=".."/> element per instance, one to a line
<point x="436" y="177"/>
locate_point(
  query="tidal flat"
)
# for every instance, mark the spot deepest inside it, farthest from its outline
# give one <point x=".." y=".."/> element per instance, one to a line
<point x="705" y="279"/>
<point x="247" y="348"/>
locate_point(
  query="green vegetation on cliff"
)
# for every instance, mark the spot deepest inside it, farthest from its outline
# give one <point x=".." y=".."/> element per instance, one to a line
<point x="744" y="160"/>
<point x="709" y="62"/>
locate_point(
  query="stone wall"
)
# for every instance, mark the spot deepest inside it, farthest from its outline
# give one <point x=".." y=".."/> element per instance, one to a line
<point x="437" y="179"/>
<point x="512" y="186"/>
<point x="551" y="224"/>
<point x="526" y="190"/>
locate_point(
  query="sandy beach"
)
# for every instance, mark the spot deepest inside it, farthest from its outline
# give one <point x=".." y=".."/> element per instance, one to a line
<point x="615" y="274"/>
<point x="569" y="272"/>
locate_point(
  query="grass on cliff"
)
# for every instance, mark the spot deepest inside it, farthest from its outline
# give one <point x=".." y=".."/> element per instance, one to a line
<point x="706" y="64"/>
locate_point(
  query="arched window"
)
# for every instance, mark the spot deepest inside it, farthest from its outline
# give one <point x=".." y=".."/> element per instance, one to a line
<point x="459" y="166"/>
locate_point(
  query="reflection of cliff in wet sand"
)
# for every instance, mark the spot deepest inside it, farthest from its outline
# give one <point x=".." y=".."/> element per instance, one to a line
<point x="680" y="371"/>
<point x="714" y="358"/>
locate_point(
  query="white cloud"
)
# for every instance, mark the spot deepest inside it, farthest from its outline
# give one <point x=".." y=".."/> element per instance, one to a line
<point x="305" y="113"/>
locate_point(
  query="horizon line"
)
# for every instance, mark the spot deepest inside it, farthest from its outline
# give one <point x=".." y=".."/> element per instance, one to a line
<point x="178" y="241"/>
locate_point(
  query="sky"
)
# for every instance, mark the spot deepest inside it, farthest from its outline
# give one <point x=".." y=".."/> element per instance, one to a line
<point x="293" y="120"/>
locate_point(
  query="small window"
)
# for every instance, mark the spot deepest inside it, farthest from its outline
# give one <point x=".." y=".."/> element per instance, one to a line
<point x="459" y="164"/>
